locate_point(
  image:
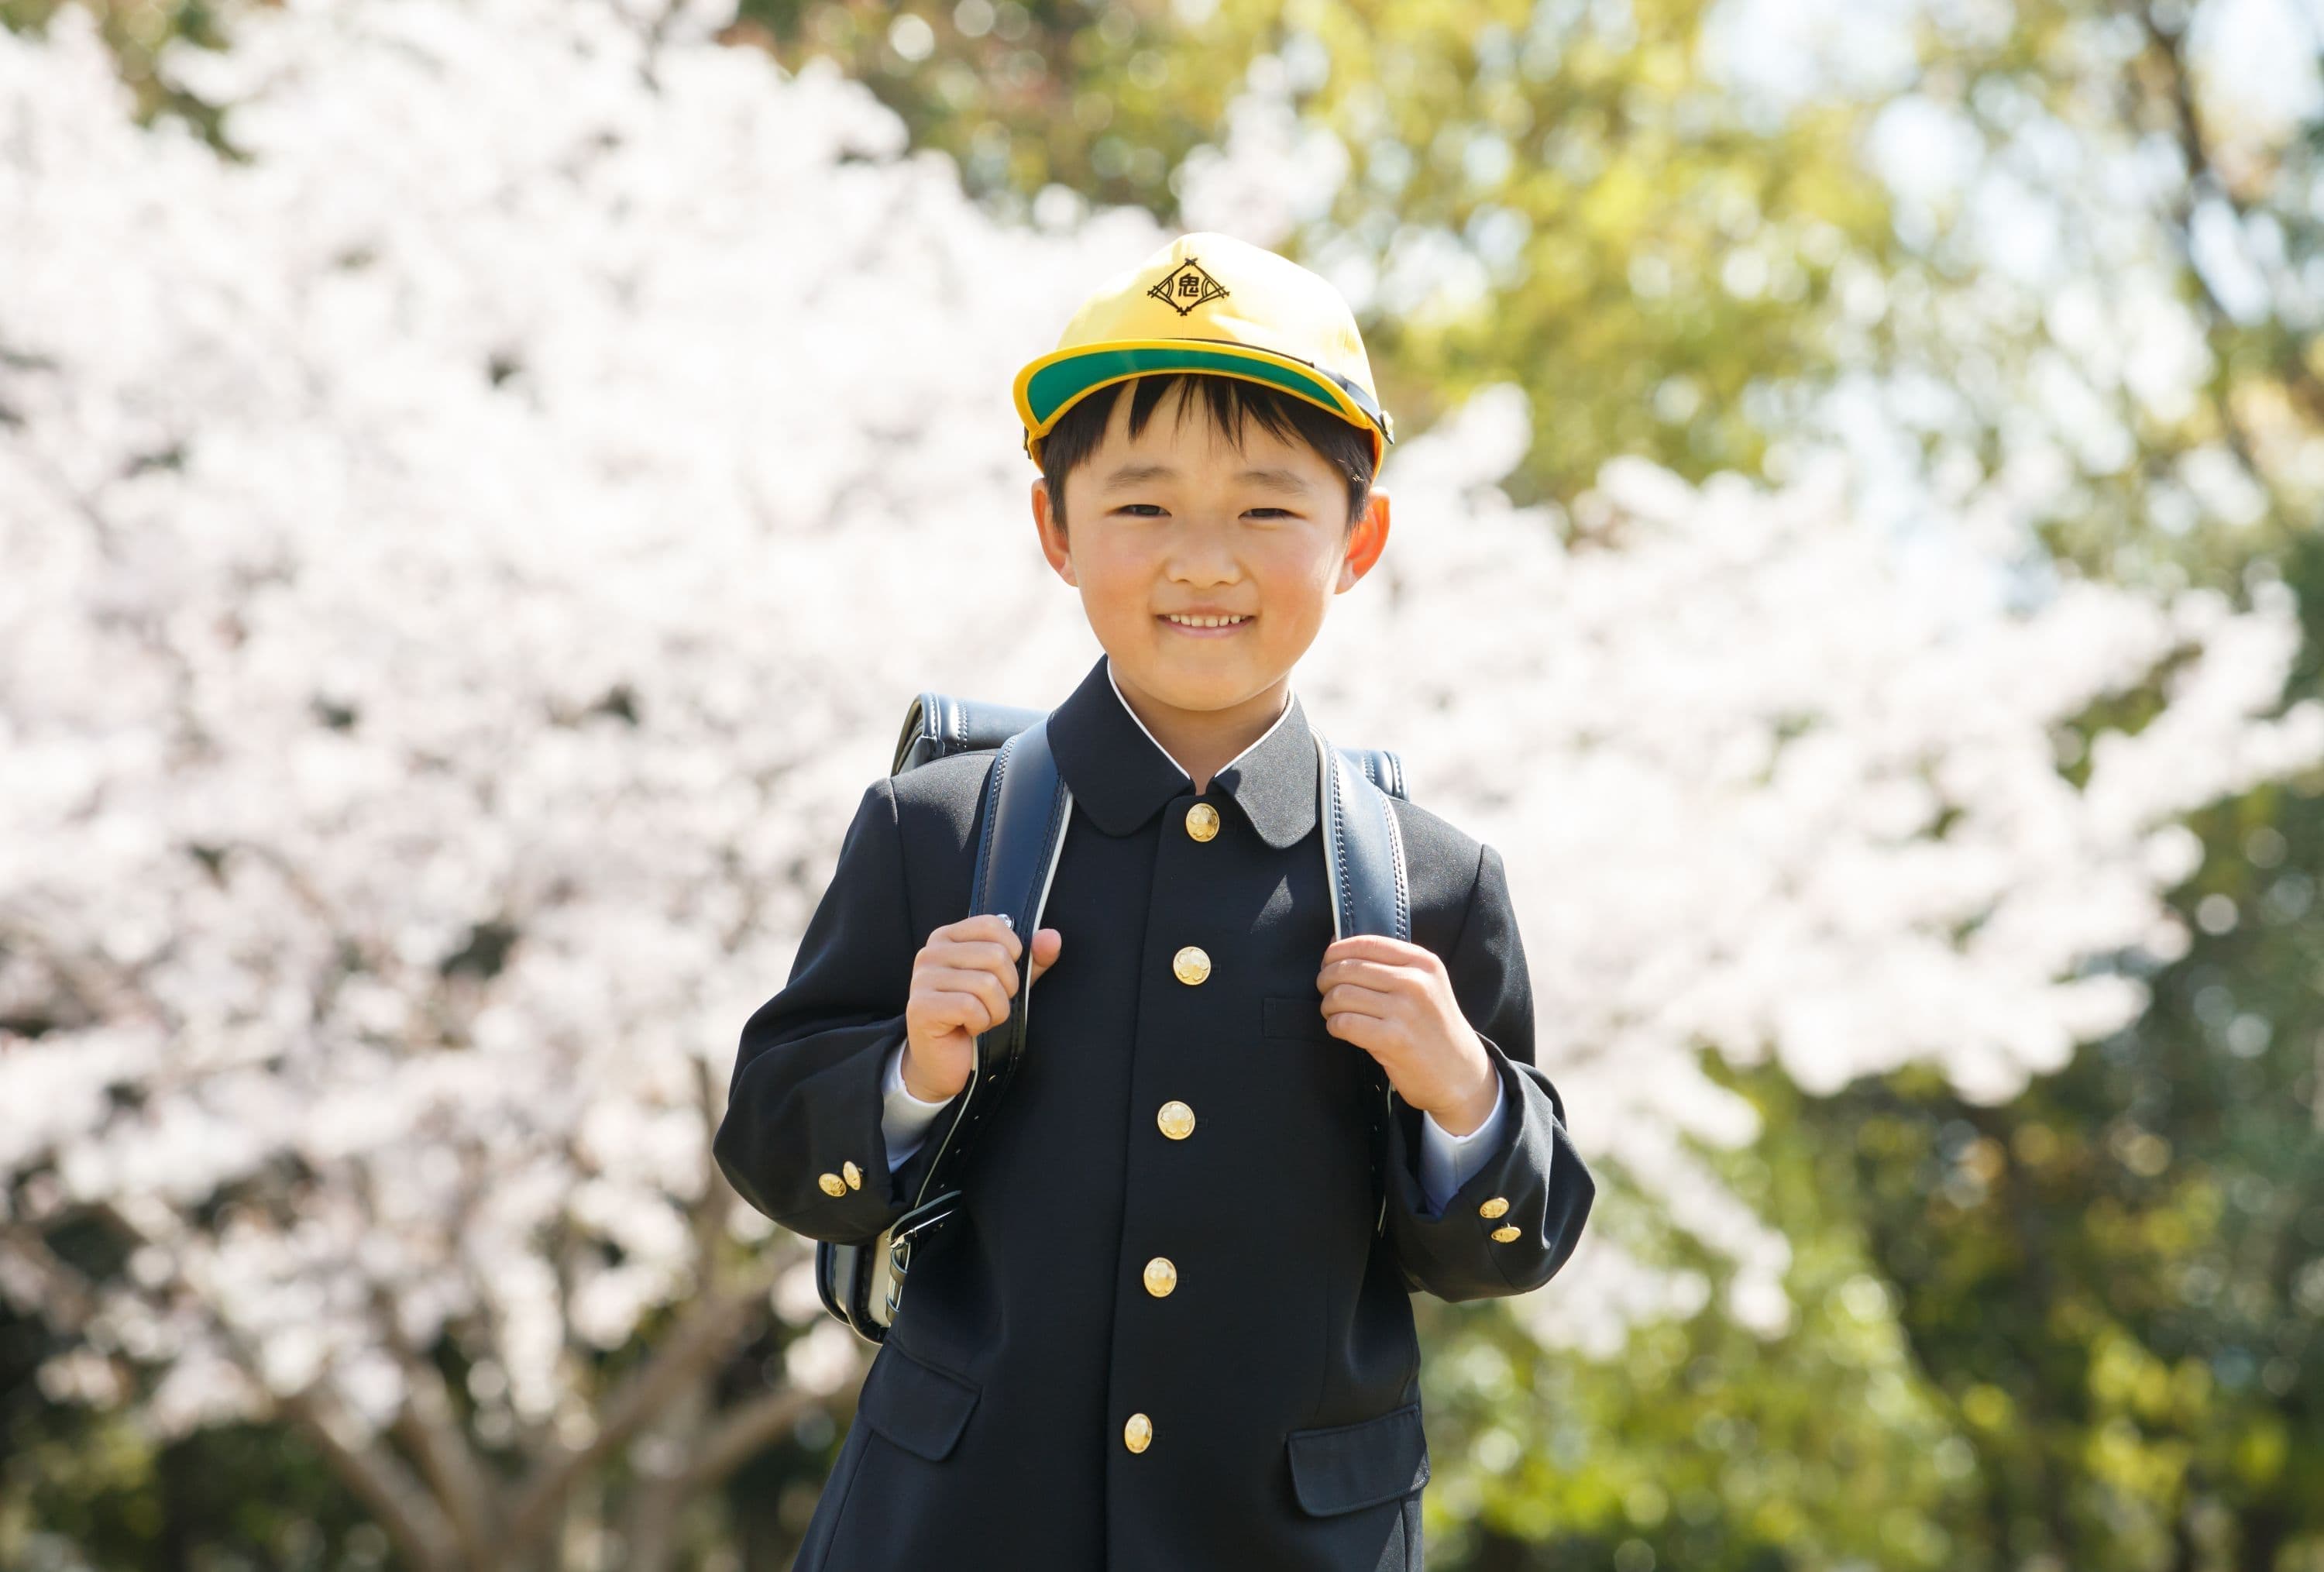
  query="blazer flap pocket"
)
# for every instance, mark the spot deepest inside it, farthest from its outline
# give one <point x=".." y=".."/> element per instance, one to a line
<point x="921" y="1409"/>
<point x="1282" y="1015"/>
<point x="1341" y="1468"/>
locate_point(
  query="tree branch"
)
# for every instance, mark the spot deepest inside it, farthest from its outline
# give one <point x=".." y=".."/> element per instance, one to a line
<point x="706" y="1333"/>
<point x="2169" y="48"/>
<point x="64" y="1295"/>
<point x="372" y="1472"/>
<point x="396" y="1500"/>
<point x="742" y="1432"/>
<point x="429" y="1427"/>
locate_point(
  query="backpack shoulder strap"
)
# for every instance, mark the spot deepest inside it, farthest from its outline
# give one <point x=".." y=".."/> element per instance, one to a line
<point x="1371" y="892"/>
<point x="1380" y="766"/>
<point x="938" y="725"/>
<point x="1363" y="850"/>
<point x="1026" y="805"/>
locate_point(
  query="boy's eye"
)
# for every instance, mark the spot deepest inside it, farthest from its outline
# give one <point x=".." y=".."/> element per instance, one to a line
<point x="1132" y="507"/>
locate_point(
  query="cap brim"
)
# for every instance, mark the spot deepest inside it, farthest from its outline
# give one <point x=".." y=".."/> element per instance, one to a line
<point x="1048" y="387"/>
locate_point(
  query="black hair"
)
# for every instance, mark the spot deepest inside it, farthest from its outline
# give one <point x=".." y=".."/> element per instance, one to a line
<point x="1343" y="445"/>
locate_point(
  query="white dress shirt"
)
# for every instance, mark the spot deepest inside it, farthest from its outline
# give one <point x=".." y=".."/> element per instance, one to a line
<point x="1446" y="1161"/>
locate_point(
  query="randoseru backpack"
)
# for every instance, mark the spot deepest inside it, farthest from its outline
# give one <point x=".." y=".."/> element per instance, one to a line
<point x="1026" y="805"/>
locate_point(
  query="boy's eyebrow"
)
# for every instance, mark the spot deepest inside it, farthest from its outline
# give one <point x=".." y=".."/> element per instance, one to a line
<point x="1136" y="474"/>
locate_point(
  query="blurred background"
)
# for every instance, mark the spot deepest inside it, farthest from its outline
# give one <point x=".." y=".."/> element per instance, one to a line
<point x="480" y="480"/>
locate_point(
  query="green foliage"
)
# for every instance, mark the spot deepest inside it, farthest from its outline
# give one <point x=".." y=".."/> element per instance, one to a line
<point x="136" y="32"/>
<point x="2116" y="1281"/>
<point x="1701" y="1445"/>
<point x="82" y="1488"/>
<point x="1552" y="195"/>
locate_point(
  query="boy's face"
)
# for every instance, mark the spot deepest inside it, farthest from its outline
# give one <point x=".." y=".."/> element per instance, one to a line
<point x="1178" y="520"/>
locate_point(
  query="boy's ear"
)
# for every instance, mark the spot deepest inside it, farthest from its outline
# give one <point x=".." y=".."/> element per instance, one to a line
<point x="1366" y="541"/>
<point x="1052" y="531"/>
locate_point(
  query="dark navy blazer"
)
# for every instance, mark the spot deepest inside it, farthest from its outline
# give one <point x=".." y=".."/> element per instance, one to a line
<point x="1277" y="1374"/>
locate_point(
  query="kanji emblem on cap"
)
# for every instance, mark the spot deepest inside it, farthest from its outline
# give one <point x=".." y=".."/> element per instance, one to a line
<point x="1209" y="302"/>
<point x="1187" y="286"/>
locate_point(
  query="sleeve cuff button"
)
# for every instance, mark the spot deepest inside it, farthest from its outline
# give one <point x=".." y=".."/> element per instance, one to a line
<point x="833" y="1185"/>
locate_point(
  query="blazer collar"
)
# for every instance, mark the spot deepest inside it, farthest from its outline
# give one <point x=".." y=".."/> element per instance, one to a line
<point x="1122" y="776"/>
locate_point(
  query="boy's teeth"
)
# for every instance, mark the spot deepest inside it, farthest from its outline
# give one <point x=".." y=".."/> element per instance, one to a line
<point x="1206" y="622"/>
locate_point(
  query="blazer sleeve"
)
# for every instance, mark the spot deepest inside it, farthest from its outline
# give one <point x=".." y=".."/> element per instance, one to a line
<point x="801" y="1140"/>
<point x="1534" y="1181"/>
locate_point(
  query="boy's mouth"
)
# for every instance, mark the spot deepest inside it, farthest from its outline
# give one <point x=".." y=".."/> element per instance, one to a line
<point x="1207" y="627"/>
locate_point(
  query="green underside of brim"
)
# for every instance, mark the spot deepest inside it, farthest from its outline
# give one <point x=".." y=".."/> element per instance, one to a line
<point x="1053" y="386"/>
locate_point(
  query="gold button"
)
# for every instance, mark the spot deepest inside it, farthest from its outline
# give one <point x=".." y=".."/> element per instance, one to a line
<point x="1191" y="964"/>
<point x="854" y="1175"/>
<point x="1138" y="1433"/>
<point x="1176" y="1119"/>
<point x="833" y="1185"/>
<point x="1494" y="1207"/>
<point x="1201" y="821"/>
<point x="1161" y="1276"/>
<point x="1506" y="1232"/>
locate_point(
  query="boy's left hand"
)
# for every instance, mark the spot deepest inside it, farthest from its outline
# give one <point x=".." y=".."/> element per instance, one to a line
<point x="1395" y="1000"/>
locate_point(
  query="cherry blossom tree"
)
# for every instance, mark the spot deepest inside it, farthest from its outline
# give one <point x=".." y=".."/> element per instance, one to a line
<point x="460" y="562"/>
<point x="462" y="556"/>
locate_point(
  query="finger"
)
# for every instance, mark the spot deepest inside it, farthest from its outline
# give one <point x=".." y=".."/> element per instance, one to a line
<point x="1350" y="996"/>
<point x="1008" y="934"/>
<point x="977" y="982"/>
<point x="1369" y="1032"/>
<point x="982" y="955"/>
<point x="936" y="1034"/>
<point x="1368" y="974"/>
<point x="1360" y="965"/>
<point x="1374" y="947"/>
<point x="962" y="1011"/>
<point x="938" y="972"/>
<point x="1048" y="943"/>
<point x="995" y="925"/>
<point x="987" y="926"/>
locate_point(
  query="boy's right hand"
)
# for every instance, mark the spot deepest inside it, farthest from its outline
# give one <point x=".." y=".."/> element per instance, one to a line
<point x="962" y="982"/>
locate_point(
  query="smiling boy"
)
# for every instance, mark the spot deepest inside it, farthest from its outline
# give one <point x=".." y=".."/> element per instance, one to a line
<point x="1171" y="1327"/>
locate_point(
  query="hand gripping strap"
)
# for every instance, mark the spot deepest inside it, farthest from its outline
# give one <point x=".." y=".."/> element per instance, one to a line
<point x="1026" y="805"/>
<point x="1363" y="858"/>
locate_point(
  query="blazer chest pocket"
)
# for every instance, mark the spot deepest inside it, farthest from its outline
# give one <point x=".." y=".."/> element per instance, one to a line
<point x="1300" y="1017"/>
<point x="1338" y="1468"/>
<point x="917" y="1406"/>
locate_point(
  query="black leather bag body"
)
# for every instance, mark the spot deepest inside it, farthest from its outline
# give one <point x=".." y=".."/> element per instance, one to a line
<point x="1027" y="808"/>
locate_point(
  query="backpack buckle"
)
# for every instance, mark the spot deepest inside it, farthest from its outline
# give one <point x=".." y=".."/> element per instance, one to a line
<point x="922" y="1221"/>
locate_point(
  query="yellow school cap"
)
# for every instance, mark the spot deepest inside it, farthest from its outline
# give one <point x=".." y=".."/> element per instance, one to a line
<point x="1209" y="302"/>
